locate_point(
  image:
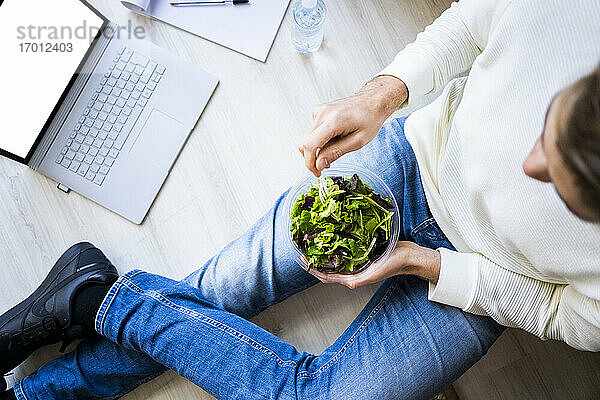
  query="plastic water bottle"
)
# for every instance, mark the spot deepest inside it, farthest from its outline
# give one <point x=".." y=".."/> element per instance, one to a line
<point x="307" y="32"/>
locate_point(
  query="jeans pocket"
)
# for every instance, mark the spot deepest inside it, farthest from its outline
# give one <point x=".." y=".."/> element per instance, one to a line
<point x="428" y="231"/>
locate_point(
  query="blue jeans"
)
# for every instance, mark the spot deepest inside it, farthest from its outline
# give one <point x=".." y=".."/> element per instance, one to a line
<point x="401" y="346"/>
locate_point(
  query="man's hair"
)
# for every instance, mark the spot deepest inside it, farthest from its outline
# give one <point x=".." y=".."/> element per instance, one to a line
<point x="578" y="136"/>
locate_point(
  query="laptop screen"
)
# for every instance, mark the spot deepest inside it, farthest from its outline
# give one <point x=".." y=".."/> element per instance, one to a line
<point x="42" y="43"/>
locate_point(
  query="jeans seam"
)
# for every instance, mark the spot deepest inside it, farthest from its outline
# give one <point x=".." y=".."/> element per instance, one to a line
<point x="207" y="320"/>
<point x="416" y="228"/>
<point x="19" y="392"/>
<point x="107" y="303"/>
<point x="419" y="228"/>
<point x="340" y="353"/>
<point x="136" y="385"/>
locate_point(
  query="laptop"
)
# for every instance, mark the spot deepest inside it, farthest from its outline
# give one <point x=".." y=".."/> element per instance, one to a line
<point x="105" y="116"/>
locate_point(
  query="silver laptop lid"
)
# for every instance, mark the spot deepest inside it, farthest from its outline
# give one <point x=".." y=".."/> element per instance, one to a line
<point x="44" y="46"/>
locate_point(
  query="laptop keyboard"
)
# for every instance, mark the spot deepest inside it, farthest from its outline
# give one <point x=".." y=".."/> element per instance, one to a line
<point x="98" y="137"/>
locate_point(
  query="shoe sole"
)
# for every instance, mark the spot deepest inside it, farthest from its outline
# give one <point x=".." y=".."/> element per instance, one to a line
<point x="64" y="260"/>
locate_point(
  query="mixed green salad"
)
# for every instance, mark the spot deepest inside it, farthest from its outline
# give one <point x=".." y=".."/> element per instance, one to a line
<point x="341" y="224"/>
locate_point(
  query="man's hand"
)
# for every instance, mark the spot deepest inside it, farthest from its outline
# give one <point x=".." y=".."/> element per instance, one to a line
<point x="407" y="258"/>
<point x="348" y="124"/>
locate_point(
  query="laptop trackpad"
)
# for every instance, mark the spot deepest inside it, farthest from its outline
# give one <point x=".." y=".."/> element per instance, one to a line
<point x="158" y="141"/>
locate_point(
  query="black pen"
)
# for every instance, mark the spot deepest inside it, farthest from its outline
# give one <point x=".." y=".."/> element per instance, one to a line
<point x="207" y="2"/>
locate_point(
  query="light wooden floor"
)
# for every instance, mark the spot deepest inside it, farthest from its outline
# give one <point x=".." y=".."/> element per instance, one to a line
<point x="240" y="157"/>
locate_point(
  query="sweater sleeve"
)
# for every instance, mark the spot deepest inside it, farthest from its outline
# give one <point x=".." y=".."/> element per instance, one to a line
<point x="445" y="48"/>
<point x="550" y="311"/>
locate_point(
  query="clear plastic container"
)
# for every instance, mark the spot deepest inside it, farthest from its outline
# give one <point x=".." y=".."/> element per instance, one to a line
<point x="377" y="185"/>
<point x="307" y="30"/>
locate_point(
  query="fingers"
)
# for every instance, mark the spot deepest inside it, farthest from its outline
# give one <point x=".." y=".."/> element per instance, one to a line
<point x="313" y="142"/>
<point x="328" y="281"/>
<point x="395" y="265"/>
<point x="351" y="284"/>
<point x="318" y="110"/>
<point x="316" y="122"/>
<point x="328" y="122"/>
<point x="338" y="147"/>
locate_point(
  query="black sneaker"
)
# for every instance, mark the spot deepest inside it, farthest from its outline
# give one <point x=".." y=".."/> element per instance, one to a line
<point x="45" y="317"/>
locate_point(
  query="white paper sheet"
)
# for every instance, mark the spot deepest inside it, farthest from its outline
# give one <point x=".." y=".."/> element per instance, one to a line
<point x="248" y="28"/>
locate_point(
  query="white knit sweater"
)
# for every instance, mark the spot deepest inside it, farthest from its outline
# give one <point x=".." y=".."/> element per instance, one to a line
<point x="523" y="258"/>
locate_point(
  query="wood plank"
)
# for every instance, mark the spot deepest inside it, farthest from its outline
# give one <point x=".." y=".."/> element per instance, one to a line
<point x="520" y="366"/>
<point x="240" y="157"/>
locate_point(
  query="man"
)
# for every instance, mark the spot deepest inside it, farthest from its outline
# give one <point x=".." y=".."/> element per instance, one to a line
<point x="489" y="240"/>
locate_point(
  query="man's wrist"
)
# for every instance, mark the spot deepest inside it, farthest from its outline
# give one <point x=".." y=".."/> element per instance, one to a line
<point x="427" y="264"/>
<point x="387" y="94"/>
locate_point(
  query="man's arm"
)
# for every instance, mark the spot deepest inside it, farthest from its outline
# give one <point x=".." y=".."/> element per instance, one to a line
<point x="477" y="285"/>
<point x="550" y="311"/>
<point x="348" y="124"/>
<point x="445" y="48"/>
